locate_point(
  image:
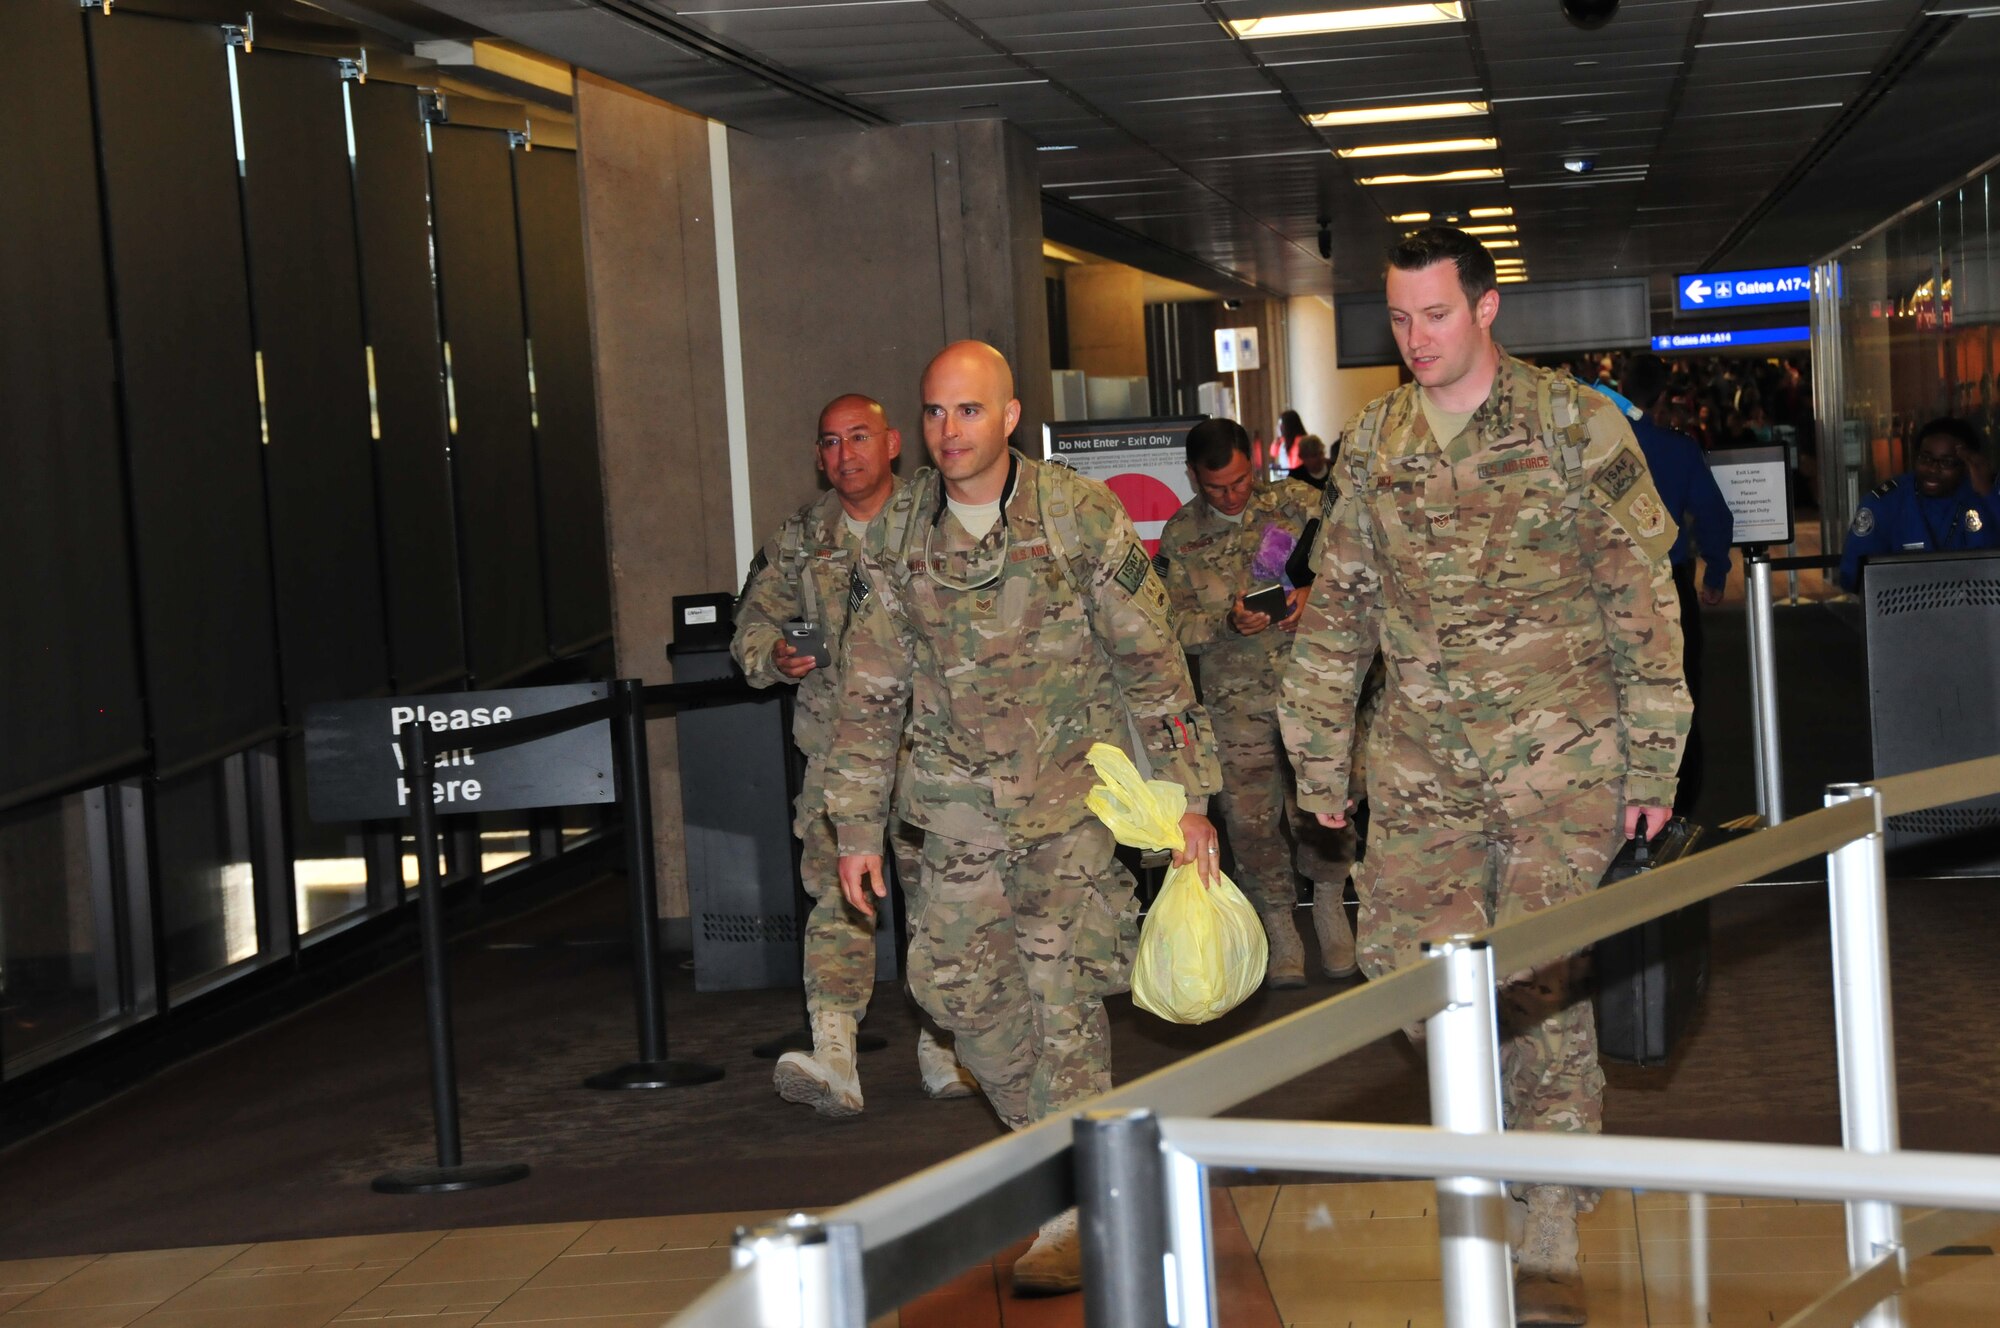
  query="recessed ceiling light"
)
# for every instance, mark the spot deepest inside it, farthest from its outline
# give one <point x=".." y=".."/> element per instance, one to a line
<point x="1411" y="216"/>
<point x="1411" y="149"/>
<point x="1503" y="229"/>
<point x="1491" y="212"/>
<point x="1365" y="115"/>
<point x="1579" y="165"/>
<point x="1501" y="244"/>
<point x="1442" y="177"/>
<point x="1346" y="20"/>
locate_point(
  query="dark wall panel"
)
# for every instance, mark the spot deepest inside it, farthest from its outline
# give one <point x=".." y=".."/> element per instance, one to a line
<point x="305" y="288"/>
<point x="69" y="672"/>
<point x="575" y="557"/>
<point x="420" y="556"/>
<point x="493" y="463"/>
<point x="190" y="384"/>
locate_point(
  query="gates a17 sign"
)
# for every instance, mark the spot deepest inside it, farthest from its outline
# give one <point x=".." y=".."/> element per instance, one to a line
<point x="1705" y="292"/>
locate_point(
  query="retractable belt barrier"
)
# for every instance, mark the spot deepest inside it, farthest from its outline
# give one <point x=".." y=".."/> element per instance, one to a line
<point x="626" y="708"/>
<point x="890" y="1246"/>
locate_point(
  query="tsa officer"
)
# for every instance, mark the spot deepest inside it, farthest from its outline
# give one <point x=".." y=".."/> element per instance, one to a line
<point x="1933" y="508"/>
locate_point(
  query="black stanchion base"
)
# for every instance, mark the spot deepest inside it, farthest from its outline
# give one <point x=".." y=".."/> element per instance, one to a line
<point x="656" y="1074"/>
<point x="443" y="1180"/>
<point x="802" y="1041"/>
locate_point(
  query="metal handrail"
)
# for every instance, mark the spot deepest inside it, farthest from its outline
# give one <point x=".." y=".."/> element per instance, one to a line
<point x="1798" y="1171"/>
<point x="916" y="1233"/>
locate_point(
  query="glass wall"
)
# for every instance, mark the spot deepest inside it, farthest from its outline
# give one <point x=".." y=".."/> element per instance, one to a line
<point x="59" y="970"/>
<point x="1916" y="307"/>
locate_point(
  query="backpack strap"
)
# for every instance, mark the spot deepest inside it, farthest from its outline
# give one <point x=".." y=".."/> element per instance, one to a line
<point x="1559" y="425"/>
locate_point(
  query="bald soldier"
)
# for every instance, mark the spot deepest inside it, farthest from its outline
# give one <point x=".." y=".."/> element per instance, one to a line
<point x="1497" y="537"/>
<point x="803" y="573"/>
<point x="1017" y="622"/>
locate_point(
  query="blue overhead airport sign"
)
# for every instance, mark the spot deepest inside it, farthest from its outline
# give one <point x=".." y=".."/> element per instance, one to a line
<point x="1742" y="336"/>
<point x="1705" y="291"/>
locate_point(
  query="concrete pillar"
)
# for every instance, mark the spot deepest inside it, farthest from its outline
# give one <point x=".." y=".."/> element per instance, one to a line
<point x="856" y="257"/>
<point x="1107" y="319"/>
<point x="649" y="247"/>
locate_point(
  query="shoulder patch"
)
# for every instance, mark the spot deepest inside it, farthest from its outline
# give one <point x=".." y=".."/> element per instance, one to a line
<point x="1649" y="518"/>
<point x="1132" y="572"/>
<point x="1160" y="564"/>
<point x="1864" y="521"/>
<point x="1619" y="474"/>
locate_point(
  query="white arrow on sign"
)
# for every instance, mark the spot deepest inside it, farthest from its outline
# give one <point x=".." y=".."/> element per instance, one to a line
<point x="1697" y="290"/>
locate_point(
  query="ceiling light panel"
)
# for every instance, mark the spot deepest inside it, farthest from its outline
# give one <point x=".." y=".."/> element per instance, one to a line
<point x="1411" y="216"/>
<point x="1442" y="177"/>
<point x="1345" y="20"/>
<point x="1505" y="228"/>
<point x="1491" y="212"/>
<point x="1414" y="149"/>
<point x="1408" y="113"/>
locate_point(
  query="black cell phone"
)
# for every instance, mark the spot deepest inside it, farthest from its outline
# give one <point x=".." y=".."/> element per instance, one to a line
<point x="1268" y="600"/>
<point x="804" y="637"/>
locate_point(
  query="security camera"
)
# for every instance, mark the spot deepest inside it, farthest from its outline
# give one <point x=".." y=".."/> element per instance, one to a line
<point x="1579" y="165"/>
<point x="1325" y="239"/>
<point x="1232" y="304"/>
<point x="1589" y="13"/>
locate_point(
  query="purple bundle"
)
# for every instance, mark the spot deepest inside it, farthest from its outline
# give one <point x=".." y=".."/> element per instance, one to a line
<point x="1274" y="550"/>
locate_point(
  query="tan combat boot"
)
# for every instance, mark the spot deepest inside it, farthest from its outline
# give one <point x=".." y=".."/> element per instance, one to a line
<point x="1336" y="937"/>
<point x="943" y="1076"/>
<point x="1288" y="954"/>
<point x="1053" y="1265"/>
<point x="1548" y="1285"/>
<point x="826" y="1080"/>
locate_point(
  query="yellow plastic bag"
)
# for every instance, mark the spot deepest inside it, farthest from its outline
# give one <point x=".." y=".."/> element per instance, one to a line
<point x="1202" y="950"/>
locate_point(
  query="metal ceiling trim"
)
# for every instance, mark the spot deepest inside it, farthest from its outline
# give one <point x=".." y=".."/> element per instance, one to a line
<point x="711" y="48"/>
<point x="1924" y="34"/>
<point x="1066" y="223"/>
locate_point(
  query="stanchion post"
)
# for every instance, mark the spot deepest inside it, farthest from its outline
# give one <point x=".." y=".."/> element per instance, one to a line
<point x="1857" y="892"/>
<point x="1190" y="1240"/>
<point x="635" y="792"/>
<point x="1121" y="1211"/>
<point x="1764" y="686"/>
<point x="807" y="1273"/>
<point x="1462" y="1042"/>
<point x="450" y="1173"/>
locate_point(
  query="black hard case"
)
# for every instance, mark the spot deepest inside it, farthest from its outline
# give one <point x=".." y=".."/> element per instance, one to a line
<point x="1651" y="979"/>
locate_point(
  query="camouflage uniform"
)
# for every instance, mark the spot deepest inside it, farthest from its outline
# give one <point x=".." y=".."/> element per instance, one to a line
<point x="1205" y="560"/>
<point x="804" y="572"/>
<point x="1021" y="922"/>
<point x="1516" y="581"/>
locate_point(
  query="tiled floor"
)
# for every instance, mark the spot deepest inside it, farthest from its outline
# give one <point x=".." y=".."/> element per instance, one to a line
<point x="1333" y="1256"/>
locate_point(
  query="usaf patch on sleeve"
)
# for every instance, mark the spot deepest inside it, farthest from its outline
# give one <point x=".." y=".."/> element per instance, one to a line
<point x="1620" y="474"/>
<point x="858" y="591"/>
<point x="1132" y="572"/>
